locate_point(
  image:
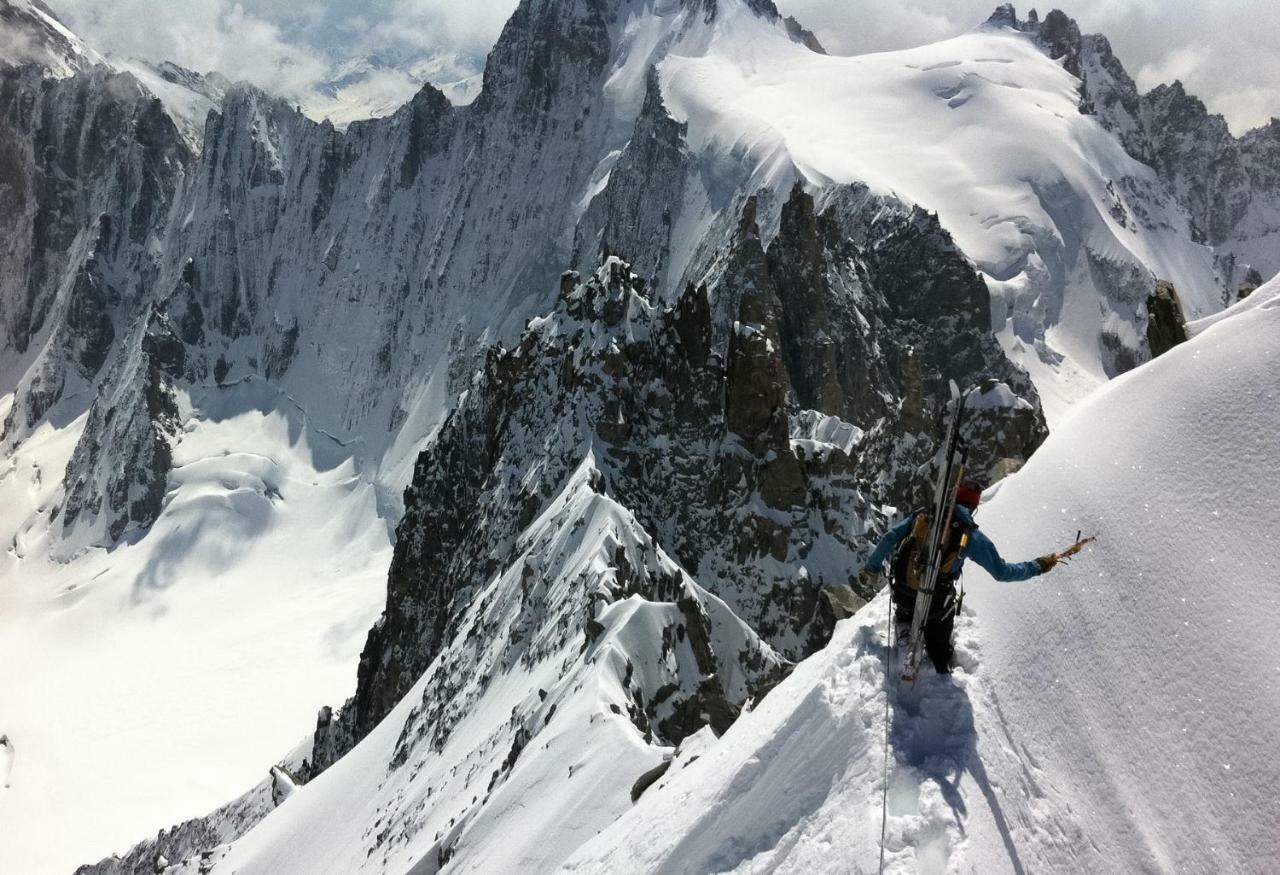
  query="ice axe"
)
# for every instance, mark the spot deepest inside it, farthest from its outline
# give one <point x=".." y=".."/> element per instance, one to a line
<point x="1074" y="548"/>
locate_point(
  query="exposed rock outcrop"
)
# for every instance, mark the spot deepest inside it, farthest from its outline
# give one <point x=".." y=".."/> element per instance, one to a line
<point x="693" y="441"/>
<point x="1166" y="326"/>
<point x="1252" y="281"/>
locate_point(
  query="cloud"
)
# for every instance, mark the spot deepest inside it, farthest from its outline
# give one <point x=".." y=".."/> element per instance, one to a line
<point x="205" y="35"/>
<point x="287" y="47"/>
<point x="1224" y="51"/>
<point x="1185" y="64"/>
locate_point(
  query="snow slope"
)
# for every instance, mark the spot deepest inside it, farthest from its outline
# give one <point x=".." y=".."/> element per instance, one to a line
<point x="31" y="33"/>
<point x="1120" y="715"/>
<point x="536" y="723"/>
<point x="1264" y="296"/>
<point x="984" y="129"/>
<point x="935" y="125"/>
<point x="187" y="96"/>
<point x="163" y="677"/>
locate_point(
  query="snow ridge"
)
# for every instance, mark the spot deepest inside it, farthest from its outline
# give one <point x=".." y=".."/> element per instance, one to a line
<point x="817" y="219"/>
<point x="1063" y="741"/>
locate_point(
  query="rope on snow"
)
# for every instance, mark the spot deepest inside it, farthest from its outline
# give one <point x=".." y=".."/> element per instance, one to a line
<point x="888" y="690"/>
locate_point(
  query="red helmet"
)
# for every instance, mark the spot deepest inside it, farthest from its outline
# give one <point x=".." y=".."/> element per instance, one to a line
<point x="969" y="495"/>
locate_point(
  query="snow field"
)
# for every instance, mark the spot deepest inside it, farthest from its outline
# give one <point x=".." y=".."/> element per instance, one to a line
<point x="1146" y="671"/>
<point x="797" y="784"/>
<point x="983" y="129"/>
<point x="150" y="683"/>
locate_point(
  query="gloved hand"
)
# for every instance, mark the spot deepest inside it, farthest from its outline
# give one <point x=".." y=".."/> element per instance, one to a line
<point x="1047" y="563"/>
<point x="868" y="578"/>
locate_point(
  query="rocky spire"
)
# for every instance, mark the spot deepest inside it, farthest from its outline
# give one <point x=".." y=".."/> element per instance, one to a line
<point x="1004" y="15"/>
<point x="1166" y="326"/>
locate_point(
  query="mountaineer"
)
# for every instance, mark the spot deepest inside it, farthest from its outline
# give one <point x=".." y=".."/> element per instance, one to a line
<point x="906" y="543"/>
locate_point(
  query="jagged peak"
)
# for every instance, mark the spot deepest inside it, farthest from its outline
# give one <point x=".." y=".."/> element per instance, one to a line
<point x="245" y="93"/>
<point x="1005" y="15"/>
<point x="612" y="293"/>
<point x="1057" y="33"/>
<point x="1267" y="130"/>
<point x="769" y="11"/>
<point x="1054" y="27"/>
<point x="32" y="34"/>
<point x="583" y="30"/>
<point x="1175" y="95"/>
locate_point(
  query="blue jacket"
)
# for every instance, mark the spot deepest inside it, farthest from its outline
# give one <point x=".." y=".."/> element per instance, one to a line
<point x="979" y="549"/>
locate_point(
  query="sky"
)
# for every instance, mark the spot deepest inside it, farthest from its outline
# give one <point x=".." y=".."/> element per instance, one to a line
<point x="1224" y="51"/>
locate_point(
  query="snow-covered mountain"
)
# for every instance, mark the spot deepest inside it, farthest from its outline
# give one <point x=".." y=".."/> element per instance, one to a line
<point x="227" y="331"/>
<point x="364" y="88"/>
<point x="30" y="33"/>
<point x="1118" y="716"/>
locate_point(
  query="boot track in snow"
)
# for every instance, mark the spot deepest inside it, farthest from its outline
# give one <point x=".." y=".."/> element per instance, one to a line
<point x="797" y="784"/>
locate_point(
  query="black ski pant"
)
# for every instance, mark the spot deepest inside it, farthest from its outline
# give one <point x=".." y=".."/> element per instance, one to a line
<point x="937" y="641"/>
<point x="938" y="628"/>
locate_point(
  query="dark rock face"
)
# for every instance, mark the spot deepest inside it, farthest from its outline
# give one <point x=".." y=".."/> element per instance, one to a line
<point x="633" y="215"/>
<point x="429" y="131"/>
<point x="694" y="434"/>
<point x="803" y="35"/>
<point x="685" y="435"/>
<point x="1197" y="153"/>
<point x="91" y="165"/>
<point x="93" y="168"/>
<point x="648" y="779"/>
<point x="1166" y="326"/>
<point x="1005" y="15"/>
<point x="877" y="311"/>
<point x="118" y="472"/>
<point x="1252" y="280"/>
<point x="1058" y="34"/>
<point x="88" y="315"/>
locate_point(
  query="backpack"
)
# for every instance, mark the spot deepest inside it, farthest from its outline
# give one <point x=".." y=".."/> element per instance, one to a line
<point x="910" y="559"/>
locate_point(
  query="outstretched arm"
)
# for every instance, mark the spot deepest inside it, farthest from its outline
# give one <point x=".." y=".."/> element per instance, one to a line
<point x="982" y="551"/>
<point x="889" y="543"/>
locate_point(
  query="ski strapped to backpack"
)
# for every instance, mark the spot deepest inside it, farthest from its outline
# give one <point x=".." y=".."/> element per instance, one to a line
<point x="952" y="456"/>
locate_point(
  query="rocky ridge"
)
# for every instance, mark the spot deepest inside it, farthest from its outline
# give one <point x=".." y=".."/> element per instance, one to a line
<point x="312" y="256"/>
<point x="1228" y="185"/>
<point x="727" y="413"/>
<point x="739" y="508"/>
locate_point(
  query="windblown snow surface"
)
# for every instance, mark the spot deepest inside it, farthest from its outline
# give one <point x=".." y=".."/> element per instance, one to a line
<point x="575" y="774"/>
<point x="983" y="129"/>
<point x="154" y="681"/>
<point x="1120" y="715"/>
